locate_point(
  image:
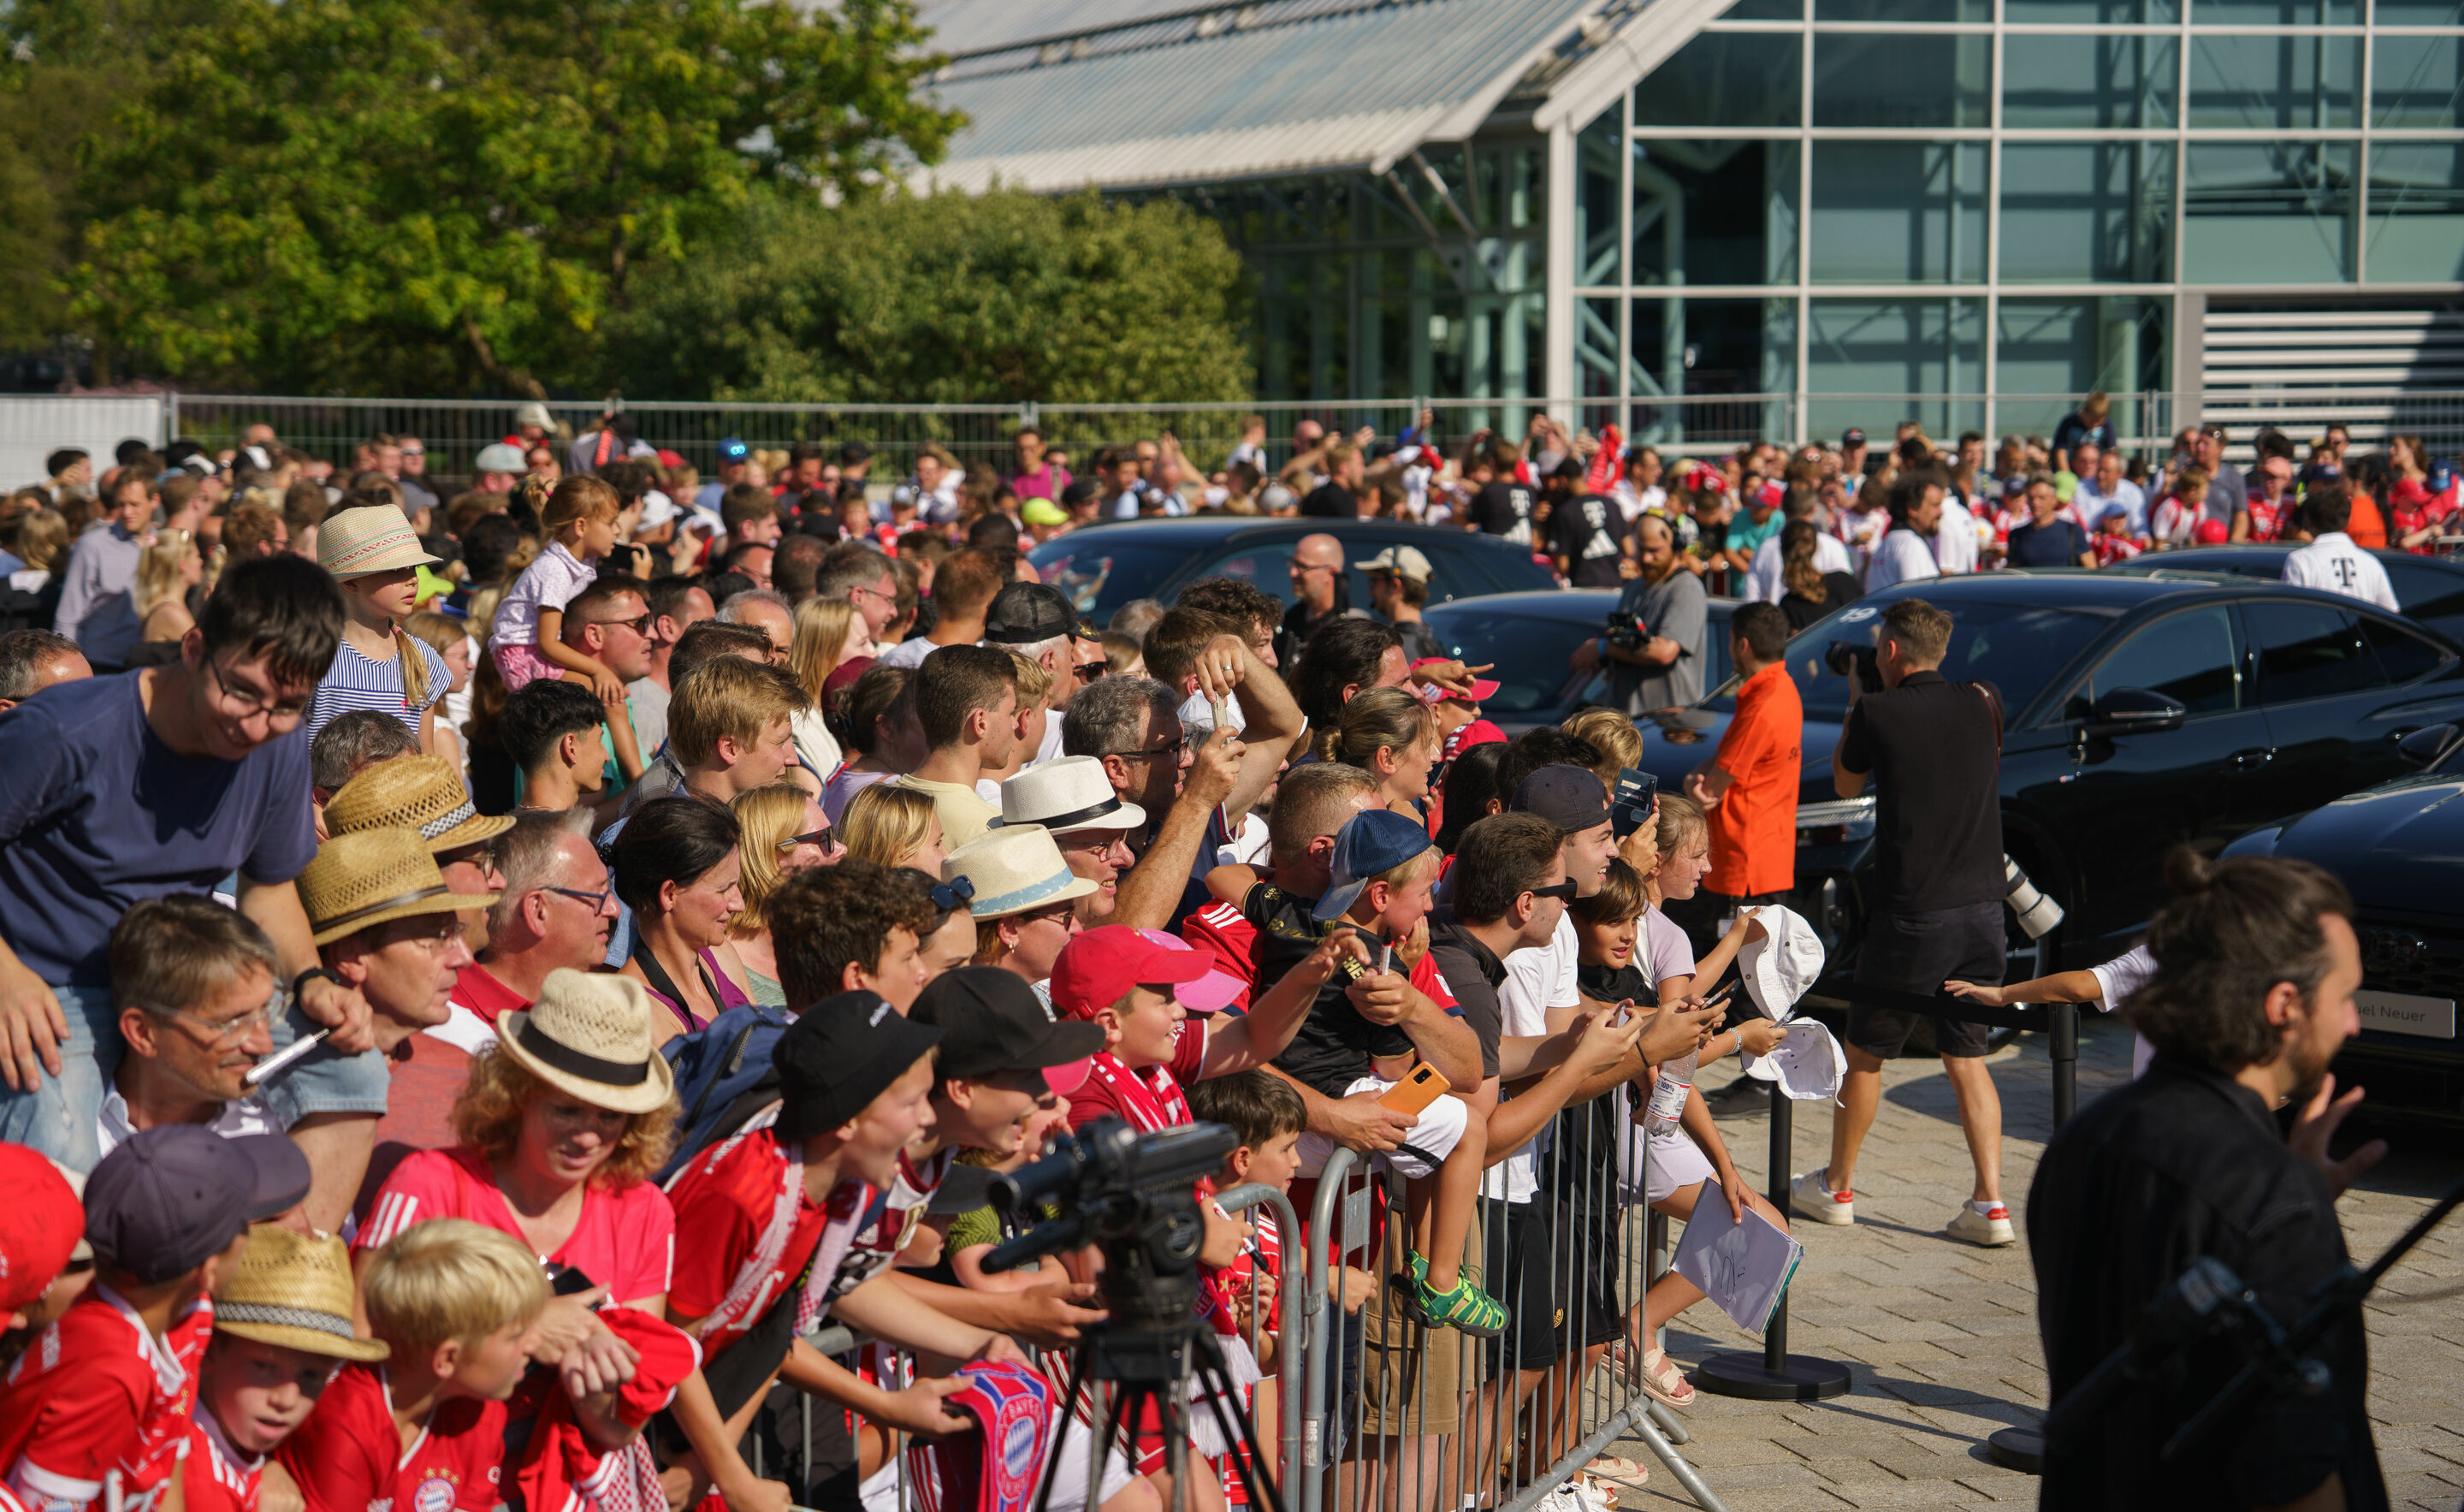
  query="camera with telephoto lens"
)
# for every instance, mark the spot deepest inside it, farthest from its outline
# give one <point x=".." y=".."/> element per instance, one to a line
<point x="1625" y="631"/>
<point x="2037" y="913"/>
<point x="1841" y="654"/>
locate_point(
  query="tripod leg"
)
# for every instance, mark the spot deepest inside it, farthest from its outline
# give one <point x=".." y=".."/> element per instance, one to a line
<point x="1061" y="1430"/>
<point x="1173" y="1415"/>
<point x="1249" y="1458"/>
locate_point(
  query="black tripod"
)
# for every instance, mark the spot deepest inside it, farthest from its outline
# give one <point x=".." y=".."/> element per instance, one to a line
<point x="1153" y="1370"/>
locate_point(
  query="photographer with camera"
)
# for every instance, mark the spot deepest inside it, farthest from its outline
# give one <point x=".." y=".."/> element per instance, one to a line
<point x="1654" y="640"/>
<point x="2252" y="996"/>
<point x="1933" y="748"/>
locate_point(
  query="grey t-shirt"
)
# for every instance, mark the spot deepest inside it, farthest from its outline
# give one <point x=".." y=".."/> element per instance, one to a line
<point x="1673" y="609"/>
<point x="650" y="702"/>
<point x="2228" y="493"/>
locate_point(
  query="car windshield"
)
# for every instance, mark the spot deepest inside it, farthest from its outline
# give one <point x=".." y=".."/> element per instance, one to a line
<point x="1529" y="655"/>
<point x="1101" y="577"/>
<point x="2017" y="647"/>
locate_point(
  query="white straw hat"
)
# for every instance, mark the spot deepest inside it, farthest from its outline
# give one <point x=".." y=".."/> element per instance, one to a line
<point x="1013" y="869"/>
<point x="374" y="538"/>
<point x="1068" y="792"/>
<point x="589" y="1035"/>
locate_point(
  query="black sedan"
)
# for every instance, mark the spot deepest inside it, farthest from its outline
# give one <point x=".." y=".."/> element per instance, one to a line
<point x="2145" y="713"/>
<point x="1104" y="566"/>
<point x="1530" y="638"/>
<point x="2427" y="589"/>
<point x="2400" y="847"/>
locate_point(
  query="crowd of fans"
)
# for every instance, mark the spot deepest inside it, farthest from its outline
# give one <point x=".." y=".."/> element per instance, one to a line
<point x="501" y="971"/>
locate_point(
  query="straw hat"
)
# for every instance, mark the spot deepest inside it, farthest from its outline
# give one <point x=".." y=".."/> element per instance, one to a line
<point x="371" y="875"/>
<point x="294" y="1291"/>
<point x="1014" y="868"/>
<point x="373" y="538"/>
<point x="1067" y="793"/>
<point x="413" y="793"/>
<point x="589" y="1035"/>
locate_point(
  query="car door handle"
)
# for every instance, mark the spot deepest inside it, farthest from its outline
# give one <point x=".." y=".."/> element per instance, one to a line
<point x="2254" y="758"/>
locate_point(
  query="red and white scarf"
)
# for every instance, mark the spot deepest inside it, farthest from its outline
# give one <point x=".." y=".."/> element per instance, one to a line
<point x="1149" y="1096"/>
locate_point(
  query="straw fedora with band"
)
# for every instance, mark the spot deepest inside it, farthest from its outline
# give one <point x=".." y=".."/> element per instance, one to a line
<point x="1014" y="869"/>
<point x="373" y="877"/>
<point x="588" y="1037"/>
<point x="413" y="793"/>
<point x="1067" y="793"/>
<point x="374" y="538"/>
<point x="294" y="1291"/>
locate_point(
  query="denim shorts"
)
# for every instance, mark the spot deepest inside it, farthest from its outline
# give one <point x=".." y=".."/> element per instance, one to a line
<point x="324" y="1081"/>
<point x="59" y="1117"/>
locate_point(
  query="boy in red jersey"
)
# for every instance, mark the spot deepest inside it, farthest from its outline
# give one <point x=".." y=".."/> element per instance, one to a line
<point x="97" y="1410"/>
<point x="282" y="1328"/>
<point x="456" y="1303"/>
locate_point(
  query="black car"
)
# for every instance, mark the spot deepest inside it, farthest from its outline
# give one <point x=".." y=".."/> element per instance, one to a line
<point x="2427" y="589"/>
<point x="1104" y="566"/>
<point x="2398" y="847"/>
<point x="1530" y="639"/>
<point x="2144" y="713"/>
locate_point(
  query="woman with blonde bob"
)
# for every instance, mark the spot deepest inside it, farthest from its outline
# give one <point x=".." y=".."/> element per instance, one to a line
<point x="1390" y="734"/>
<point x="828" y="630"/>
<point x="558" y="1131"/>
<point x="779" y="832"/>
<point x="166" y="571"/>
<point x="893" y="827"/>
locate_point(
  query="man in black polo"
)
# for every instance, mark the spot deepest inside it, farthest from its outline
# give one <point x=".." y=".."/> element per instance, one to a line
<point x="2252" y="994"/>
<point x="1933" y="748"/>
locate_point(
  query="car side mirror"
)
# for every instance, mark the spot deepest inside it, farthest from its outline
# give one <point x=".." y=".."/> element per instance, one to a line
<point x="2128" y="711"/>
<point x="2425" y="745"/>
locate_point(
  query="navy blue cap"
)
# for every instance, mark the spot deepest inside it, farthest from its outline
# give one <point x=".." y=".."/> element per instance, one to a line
<point x="1370" y="842"/>
<point x="1573" y="798"/>
<point x="731" y="449"/>
<point x="170" y="1198"/>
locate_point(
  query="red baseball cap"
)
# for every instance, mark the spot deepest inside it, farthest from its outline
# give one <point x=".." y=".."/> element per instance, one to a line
<point x="40" y="1224"/>
<point x="1482" y="689"/>
<point x="1099" y="968"/>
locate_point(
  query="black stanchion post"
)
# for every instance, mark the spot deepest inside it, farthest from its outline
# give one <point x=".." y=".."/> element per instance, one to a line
<point x="1774" y="1375"/>
<point x="2022" y="1446"/>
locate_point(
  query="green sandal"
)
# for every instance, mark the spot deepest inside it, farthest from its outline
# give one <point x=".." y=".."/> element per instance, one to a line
<point x="1465" y="1308"/>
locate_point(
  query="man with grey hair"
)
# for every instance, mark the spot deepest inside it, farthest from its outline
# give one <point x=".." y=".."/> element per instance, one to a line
<point x="863" y="577"/>
<point x="1135" y="617"/>
<point x="556" y="909"/>
<point x="768" y="612"/>
<point x="31" y="660"/>
<point x="1133" y="727"/>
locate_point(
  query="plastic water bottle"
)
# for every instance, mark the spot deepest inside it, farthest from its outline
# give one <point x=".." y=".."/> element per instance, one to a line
<point x="1669" y="1098"/>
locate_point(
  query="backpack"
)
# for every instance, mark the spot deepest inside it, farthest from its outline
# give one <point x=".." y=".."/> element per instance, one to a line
<point x="723" y="1076"/>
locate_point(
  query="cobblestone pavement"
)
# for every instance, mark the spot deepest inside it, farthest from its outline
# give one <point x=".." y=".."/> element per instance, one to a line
<point x="1942" y="1336"/>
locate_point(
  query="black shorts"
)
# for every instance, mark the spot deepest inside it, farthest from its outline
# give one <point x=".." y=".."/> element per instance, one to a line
<point x="1917" y="953"/>
<point x="1520" y="1270"/>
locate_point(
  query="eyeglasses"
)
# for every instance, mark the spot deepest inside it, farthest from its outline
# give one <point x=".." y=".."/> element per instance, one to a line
<point x="442" y="932"/>
<point x="251" y="704"/>
<point x="821" y="837"/>
<point x="887" y="598"/>
<point x="1172" y="750"/>
<point x="1311" y="566"/>
<point x="231" y="1031"/>
<point x="1090" y="671"/>
<point x="953" y="895"/>
<point x="414" y="451"/>
<point x="598" y="901"/>
<point x="1564" y="890"/>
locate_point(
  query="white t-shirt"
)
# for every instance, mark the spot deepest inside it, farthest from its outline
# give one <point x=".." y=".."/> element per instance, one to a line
<point x="2117" y="979"/>
<point x="1537" y="979"/>
<point x="1902" y="557"/>
<point x="2332" y="562"/>
<point x="1764" y="578"/>
<point x="247" y="1116"/>
<point x="1955" y="544"/>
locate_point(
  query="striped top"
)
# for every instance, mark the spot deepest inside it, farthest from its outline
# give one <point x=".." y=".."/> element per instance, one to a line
<point x="355" y="682"/>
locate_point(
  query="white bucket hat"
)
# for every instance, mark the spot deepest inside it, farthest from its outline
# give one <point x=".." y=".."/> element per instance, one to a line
<point x="1068" y="792"/>
<point x="1013" y="869"/>
<point x="1779" y="966"/>
<point x="1807" y="1063"/>
<point x="375" y="537"/>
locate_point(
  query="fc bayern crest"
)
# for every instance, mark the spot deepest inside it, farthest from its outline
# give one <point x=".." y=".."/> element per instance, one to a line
<point x="435" y="1494"/>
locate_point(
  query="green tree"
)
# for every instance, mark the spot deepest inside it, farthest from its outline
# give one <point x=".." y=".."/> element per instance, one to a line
<point x="947" y="299"/>
<point x="434" y="195"/>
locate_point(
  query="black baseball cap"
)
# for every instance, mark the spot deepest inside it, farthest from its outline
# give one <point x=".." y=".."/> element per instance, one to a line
<point x="838" y="1056"/>
<point x="1851" y="437"/>
<point x="170" y="1198"/>
<point x="282" y="1175"/>
<point x="1023" y="613"/>
<point x="1079" y="490"/>
<point x="994" y="1023"/>
<point x="1569" y="797"/>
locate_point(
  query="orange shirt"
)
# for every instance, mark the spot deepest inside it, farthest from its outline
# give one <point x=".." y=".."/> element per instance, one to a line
<point x="2368" y="527"/>
<point x="1753" y="831"/>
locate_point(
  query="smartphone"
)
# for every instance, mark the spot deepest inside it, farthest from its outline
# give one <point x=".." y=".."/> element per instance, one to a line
<point x="1636" y="798"/>
<point x="1422" y="1086"/>
<point x="571" y="1281"/>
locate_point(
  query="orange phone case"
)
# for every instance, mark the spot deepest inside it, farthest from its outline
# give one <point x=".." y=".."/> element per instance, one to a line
<point x="1422" y="1086"/>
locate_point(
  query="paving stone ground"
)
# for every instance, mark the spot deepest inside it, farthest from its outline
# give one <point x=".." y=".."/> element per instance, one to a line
<point x="1942" y="1336"/>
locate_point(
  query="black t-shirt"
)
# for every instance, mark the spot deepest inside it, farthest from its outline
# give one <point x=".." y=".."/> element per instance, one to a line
<point x="1330" y="501"/>
<point x="1473" y="973"/>
<point x="1840" y="590"/>
<point x="1333" y="1045"/>
<point x="1585" y="530"/>
<point x="2060" y="544"/>
<point x="2180" y="1164"/>
<point x="1503" y="509"/>
<point x="1933" y="748"/>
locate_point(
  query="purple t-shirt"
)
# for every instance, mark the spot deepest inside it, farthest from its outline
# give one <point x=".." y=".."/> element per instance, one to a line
<point x="1662" y="950"/>
<point x="96" y="814"/>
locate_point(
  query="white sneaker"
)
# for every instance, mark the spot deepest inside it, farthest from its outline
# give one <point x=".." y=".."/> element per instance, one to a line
<point x="1991" y="1230"/>
<point x="1811" y="1197"/>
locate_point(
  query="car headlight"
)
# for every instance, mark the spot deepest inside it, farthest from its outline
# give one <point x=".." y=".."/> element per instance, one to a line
<point x="1837" y="822"/>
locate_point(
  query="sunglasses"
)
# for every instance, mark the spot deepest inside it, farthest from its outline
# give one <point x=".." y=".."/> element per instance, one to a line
<point x="1564" y="890"/>
<point x="821" y="837"/>
<point x="1172" y="750"/>
<point x="639" y="627"/>
<point x="1090" y="671"/>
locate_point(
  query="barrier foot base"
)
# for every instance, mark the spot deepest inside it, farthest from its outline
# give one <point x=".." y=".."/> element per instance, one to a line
<point x="1800" y="1378"/>
<point x="1669" y="1423"/>
<point x="2017" y="1448"/>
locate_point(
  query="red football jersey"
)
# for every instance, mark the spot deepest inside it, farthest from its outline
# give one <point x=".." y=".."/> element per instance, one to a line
<point x="97" y="1408"/>
<point x="217" y="1478"/>
<point x="348" y="1457"/>
<point x="1221" y="927"/>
